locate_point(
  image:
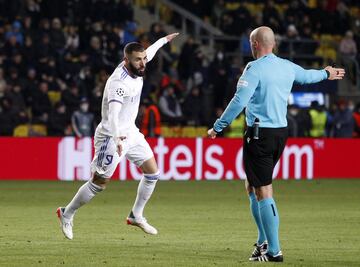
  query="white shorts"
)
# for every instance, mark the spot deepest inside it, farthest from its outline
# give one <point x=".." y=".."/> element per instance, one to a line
<point x="106" y="159"/>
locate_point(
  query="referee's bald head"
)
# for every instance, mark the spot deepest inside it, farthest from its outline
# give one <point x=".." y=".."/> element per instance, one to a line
<point x="262" y="41"/>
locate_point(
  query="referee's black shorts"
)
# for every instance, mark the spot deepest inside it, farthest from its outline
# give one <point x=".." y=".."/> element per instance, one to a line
<point x="261" y="155"/>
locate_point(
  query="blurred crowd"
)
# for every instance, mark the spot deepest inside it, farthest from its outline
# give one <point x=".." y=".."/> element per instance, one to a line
<point x="56" y="55"/>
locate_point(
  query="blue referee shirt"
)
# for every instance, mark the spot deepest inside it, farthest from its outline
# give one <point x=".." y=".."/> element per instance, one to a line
<point x="264" y="89"/>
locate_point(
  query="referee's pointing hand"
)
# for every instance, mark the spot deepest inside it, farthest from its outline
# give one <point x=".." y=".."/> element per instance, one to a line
<point x="335" y="73"/>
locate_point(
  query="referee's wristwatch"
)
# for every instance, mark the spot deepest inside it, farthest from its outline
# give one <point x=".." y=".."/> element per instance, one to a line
<point x="327" y="73"/>
<point x="216" y="131"/>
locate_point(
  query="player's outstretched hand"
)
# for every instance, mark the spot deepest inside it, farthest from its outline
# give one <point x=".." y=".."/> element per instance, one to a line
<point x="171" y="36"/>
<point x="211" y="133"/>
<point x="335" y="73"/>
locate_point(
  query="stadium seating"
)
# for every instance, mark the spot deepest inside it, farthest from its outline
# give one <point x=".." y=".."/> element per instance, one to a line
<point x="38" y="130"/>
<point x="21" y="131"/>
<point x="185" y="131"/>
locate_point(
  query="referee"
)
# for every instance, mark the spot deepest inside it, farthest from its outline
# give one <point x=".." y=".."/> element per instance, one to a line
<point x="264" y="88"/>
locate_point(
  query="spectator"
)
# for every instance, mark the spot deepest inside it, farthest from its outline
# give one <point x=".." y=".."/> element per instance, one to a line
<point x="309" y="45"/>
<point x="28" y="28"/>
<point x="304" y="122"/>
<point x="245" y="44"/>
<point x="29" y="51"/>
<point x="348" y="51"/>
<point x="217" y="10"/>
<point x="30" y="86"/>
<point x="57" y="36"/>
<point x="113" y="53"/>
<point x="17" y="63"/>
<point x="14" y="77"/>
<point x="289" y="44"/>
<point x="271" y="16"/>
<point x="149" y="119"/>
<point x="186" y="63"/>
<point x="16" y="32"/>
<point x="41" y="105"/>
<point x="44" y="27"/>
<point x="170" y="106"/>
<point x="242" y="19"/>
<point x="82" y="120"/>
<point x="124" y="11"/>
<point x="323" y="18"/>
<point x="72" y="38"/>
<point x="95" y="103"/>
<point x="294" y="13"/>
<point x="318" y="119"/>
<point x="291" y="117"/>
<point x="7" y="117"/>
<point x="3" y="84"/>
<point x="227" y="24"/>
<point x="156" y="32"/>
<point x="171" y="79"/>
<point x="44" y="51"/>
<point x="59" y="121"/>
<point x="129" y="33"/>
<point x="343" y="121"/>
<point x="15" y="95"/>
<point x="342" y="18"/>
<point x="218" y="78"/>
<point x="11" y="46"/>
<point x="71" y="98"/>
<point x="32" y="9"/>
<point x="193" y="108"/>
<point x="347" y="46"/>
<point x="95" y="54"/>
<point x="356" y="115"/>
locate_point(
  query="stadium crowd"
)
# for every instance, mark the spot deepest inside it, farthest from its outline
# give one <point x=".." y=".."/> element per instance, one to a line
<point x="55" y="57"/>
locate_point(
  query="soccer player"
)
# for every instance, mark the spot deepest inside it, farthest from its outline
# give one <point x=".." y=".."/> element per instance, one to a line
<point x="263" y="89"/>
<point x="117" y="136"/>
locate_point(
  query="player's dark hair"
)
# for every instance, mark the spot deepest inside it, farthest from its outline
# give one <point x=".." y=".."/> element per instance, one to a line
<point x="133" y="47"/>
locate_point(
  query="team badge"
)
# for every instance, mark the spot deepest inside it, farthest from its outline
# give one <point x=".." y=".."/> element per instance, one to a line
<point x="120" y="92"/>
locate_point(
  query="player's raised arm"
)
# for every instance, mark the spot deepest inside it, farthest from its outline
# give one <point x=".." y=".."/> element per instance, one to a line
<point x="152" y="49"/>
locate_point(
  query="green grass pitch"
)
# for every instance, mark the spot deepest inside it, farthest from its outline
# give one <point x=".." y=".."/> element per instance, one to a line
<point x="199" y="223"/>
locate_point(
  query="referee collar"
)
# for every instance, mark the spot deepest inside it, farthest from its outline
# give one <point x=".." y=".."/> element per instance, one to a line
<point x="270" y="55"/>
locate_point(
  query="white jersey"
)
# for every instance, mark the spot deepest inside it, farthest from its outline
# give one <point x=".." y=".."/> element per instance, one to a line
<point x="123" y="88"/>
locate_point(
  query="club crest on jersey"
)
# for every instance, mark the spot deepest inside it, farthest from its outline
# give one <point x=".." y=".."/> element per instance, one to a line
<point x="120" y="92"/>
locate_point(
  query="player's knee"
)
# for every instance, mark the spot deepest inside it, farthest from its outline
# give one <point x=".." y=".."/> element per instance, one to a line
<point x="100" y="181"/>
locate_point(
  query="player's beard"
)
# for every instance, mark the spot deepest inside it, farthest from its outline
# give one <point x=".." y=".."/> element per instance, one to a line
<point x="137" y="72"/>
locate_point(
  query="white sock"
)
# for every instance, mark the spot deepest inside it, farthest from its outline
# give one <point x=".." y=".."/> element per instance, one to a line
<point x="145" y="190"/>
<point x="85" y="193"/>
